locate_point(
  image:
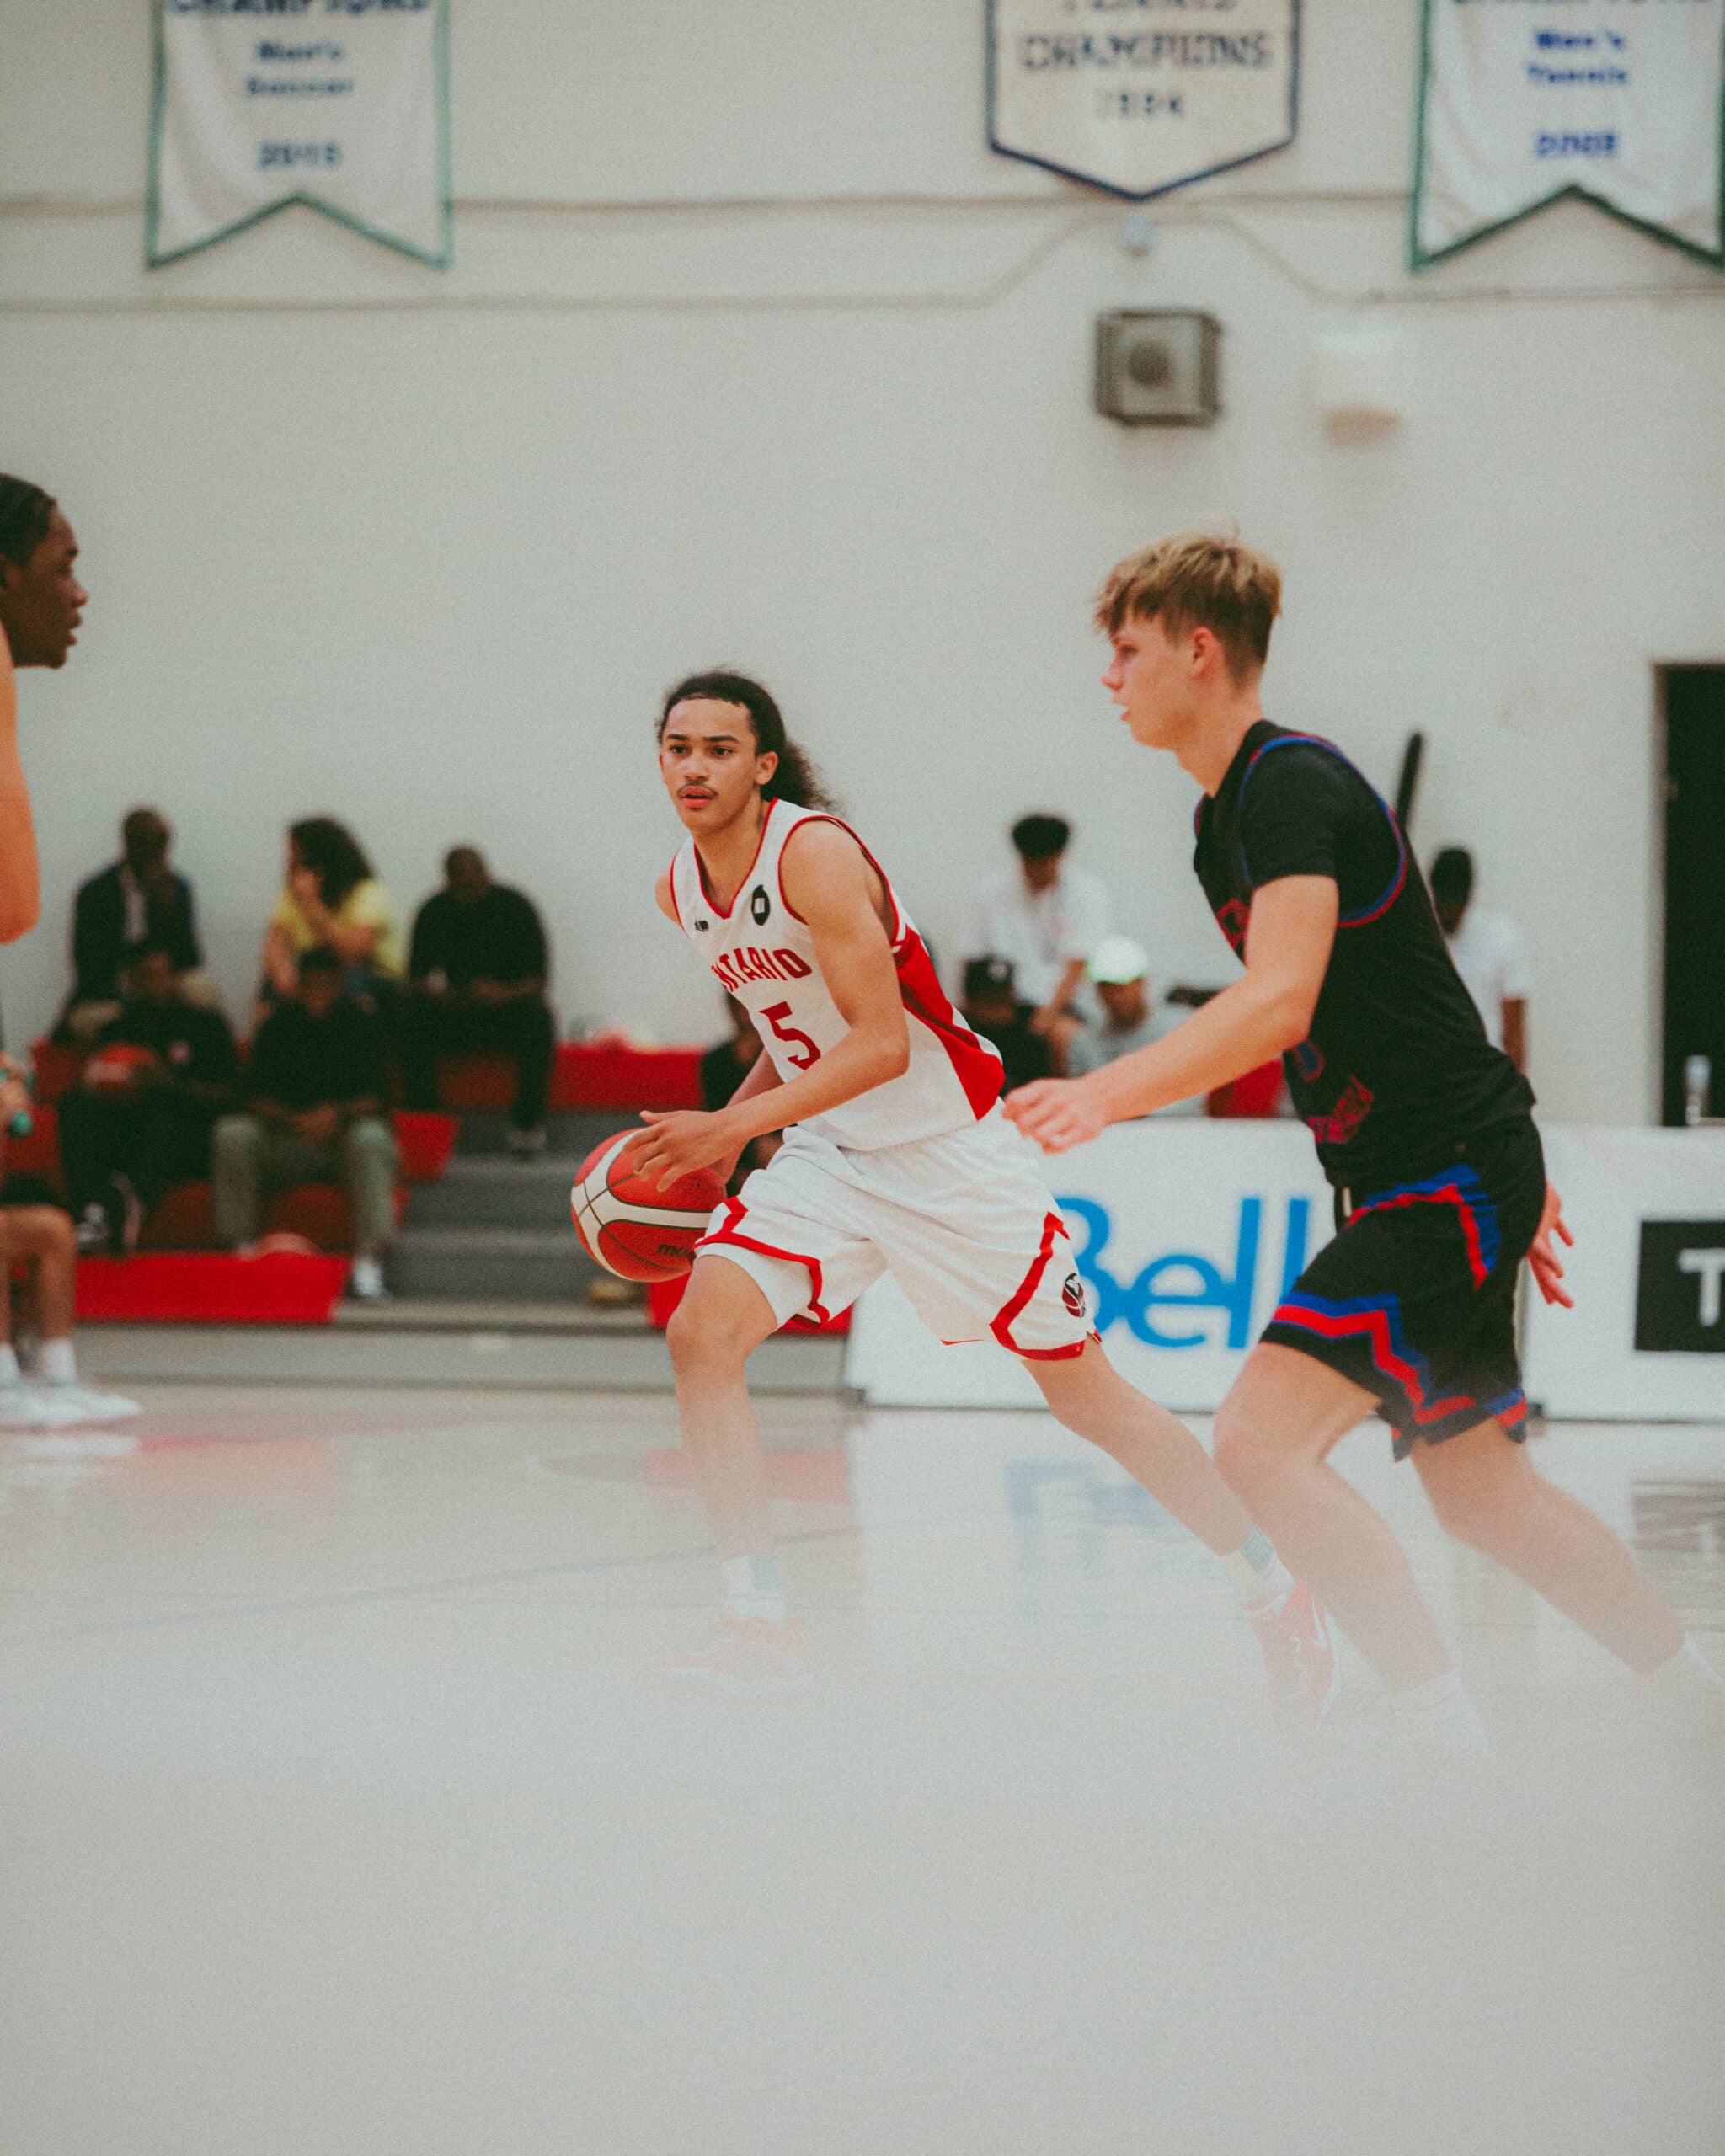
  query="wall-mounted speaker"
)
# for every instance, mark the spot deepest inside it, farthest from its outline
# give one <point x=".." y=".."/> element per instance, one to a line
<point x="1159" y="367"/>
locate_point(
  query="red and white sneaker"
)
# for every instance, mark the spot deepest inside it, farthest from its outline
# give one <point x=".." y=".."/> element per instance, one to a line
<point x="751" y="1657"/>
<point x="1299" y="1655"/>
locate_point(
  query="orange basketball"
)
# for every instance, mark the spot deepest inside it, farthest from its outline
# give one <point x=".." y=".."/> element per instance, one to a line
<point x="632" y="1229"/>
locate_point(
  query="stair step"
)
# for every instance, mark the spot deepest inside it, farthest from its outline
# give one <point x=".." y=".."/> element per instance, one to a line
<point x="489" y="1265"/>
<point x="574" y="1134"/>
<point x="478" y="1191"/>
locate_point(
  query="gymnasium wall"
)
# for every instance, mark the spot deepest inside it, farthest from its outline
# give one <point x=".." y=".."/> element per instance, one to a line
<point x="753" y="353"/>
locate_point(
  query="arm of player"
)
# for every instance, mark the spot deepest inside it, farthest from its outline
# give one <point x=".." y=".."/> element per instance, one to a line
<point x="20" y="877"/>
<point x="1261" y="1016"/>
<point x="829" y="885"/>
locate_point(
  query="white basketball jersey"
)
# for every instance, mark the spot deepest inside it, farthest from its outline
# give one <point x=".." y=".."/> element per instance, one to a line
<point x="764" y="956"/>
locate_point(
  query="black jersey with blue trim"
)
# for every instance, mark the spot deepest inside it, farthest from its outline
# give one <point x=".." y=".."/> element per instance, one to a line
<point x="1397" y="1070"/>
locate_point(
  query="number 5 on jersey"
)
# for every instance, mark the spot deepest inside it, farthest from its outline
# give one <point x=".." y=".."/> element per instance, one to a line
<point x="774" y="1014"/>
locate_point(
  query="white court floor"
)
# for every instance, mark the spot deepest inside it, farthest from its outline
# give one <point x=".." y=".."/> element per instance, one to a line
<point x="339" y="1817"/>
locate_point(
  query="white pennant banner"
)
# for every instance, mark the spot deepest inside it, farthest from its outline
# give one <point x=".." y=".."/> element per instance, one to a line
<point x="1144" y="97"/>
<point x="342" y="105"/>
<point x="1620" y="103"/>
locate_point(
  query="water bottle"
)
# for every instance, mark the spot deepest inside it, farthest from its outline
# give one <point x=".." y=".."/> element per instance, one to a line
<point x="23" y="1122"/>
<point x="1697" y="1088"/>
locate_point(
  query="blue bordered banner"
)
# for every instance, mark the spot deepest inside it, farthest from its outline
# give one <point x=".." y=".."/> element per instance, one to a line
<point x="1618" y="103"/>
<point x="340" y="106"/>
<point x="1142" y="98"/>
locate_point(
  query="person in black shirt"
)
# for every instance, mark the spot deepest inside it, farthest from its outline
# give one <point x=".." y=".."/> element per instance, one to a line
<point x="992" y="1007"/>
<point x="141" y="899"/>
<point x="317" y="1083"/>
<point x="1422" y="1126"/>
<point x="476" y="979"/>
<point x="137" y="1123"/>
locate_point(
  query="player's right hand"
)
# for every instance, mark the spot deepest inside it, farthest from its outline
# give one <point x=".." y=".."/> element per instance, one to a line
<point x="1056" y="1112"/>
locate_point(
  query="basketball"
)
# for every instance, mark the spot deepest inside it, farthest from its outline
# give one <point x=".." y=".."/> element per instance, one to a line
<point x="630" y="1228"/>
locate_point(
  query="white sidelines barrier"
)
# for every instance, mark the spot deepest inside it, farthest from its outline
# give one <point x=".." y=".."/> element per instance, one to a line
<point x="1647" y="1211"/>
<point x="1187" y="1233"/>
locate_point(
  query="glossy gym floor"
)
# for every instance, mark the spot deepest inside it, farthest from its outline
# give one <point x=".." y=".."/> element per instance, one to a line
<point x="343" y="1815"/>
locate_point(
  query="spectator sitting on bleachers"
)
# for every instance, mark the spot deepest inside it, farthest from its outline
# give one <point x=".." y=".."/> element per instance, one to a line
<point x="140" y="898"/>
<point x="991" y="1007"/>
<point x="331" y="900"/>
<point x="1119" y="968"/>
<point x="40" y="1239"/>
<point x="317" y="1083"/>
<point x="476" y="979"/>
<point x="1044" y="918"/>
<point x="139" y="1122"/>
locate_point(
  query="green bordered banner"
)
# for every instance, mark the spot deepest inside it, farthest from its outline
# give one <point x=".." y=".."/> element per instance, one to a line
<point x="340" y="106"/>
<point x="1618" y="103"/>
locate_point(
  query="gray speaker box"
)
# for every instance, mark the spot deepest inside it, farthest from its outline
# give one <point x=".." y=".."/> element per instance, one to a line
<point x="1159" y="367"/>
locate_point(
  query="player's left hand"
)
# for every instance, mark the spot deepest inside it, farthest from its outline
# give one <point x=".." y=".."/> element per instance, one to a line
<point x="678" y="1141"/>
<point x="1057" y="1112"/>
<point x="1542" y="1256"/>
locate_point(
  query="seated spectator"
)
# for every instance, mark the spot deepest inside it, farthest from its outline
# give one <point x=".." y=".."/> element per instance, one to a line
<point x="476" y="979"/>
<point x="1489" y="951"/>
<point x="139" y="1123"/>
<point x="331" y="901"/>
<point x="317" y="1086"/>
<point x="39" y="1238"/>
<point x="991" y="1007"/>
<point x="1046" y="919"/>
<point x="140" y="898"/>
<point x="1119" y="971"/>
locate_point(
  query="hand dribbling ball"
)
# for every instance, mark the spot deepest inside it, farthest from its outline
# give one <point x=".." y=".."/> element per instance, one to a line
<point x="630" y="1227"/>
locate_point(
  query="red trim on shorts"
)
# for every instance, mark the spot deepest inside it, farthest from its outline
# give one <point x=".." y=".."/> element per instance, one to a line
<point x="735" y="1211"/>
<point x="1001" y="1325"/>
<point x="724" y="912"/>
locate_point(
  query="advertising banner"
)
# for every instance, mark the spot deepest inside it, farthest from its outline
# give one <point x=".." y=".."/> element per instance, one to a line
<point x="1620" y="103"/>
<point x="1141" y="98"/>
<point x="1645" y="1340"/>
<point x="341" y="105"/>
<point x="1185" y="1234"/>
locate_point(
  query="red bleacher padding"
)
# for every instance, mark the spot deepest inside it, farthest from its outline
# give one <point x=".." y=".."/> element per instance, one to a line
<point x="38" y="1154"/>
<point x="595" y="1077"/>
<point x="424" y="1141"/>
<point x="211" y="1287"/>
<point x="56" y="1067"/>
<point x="1254" y="1094"/>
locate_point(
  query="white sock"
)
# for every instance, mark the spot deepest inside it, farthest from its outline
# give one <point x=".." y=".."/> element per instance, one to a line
<point x="9" y="1371"/>
<point x="1258" y="1574"/>
<point x="1688" y="1687"/>
<point x="55" y="1362"/>
<point x="753" y="1588"/>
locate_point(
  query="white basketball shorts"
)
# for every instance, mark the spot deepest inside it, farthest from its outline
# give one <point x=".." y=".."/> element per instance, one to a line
<point x="965" y="1224"/>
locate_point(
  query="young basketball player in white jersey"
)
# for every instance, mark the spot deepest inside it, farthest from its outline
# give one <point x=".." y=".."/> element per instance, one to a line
<point x="896" y="1158"/>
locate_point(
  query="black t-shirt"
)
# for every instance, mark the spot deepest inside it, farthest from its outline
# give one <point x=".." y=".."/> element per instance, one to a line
<point x="1397" y="1070"/>
<point x="303" y="1062"/>
<point x="498" y="937"/>
<point x="194" y="1045"/>
<point x="1025" y="1056"/>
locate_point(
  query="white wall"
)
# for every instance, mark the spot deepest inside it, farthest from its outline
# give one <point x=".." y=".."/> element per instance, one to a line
<point x="768" y="360"/>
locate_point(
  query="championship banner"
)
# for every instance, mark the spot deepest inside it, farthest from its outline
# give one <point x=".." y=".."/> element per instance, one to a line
<point x="1620" y="103"/>
<point x="342" y="105"/>
<point x="1142" y="98"/>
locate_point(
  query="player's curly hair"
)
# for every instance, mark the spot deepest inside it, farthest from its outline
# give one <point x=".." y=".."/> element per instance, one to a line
<point x="1196" y="580"/>
<point x="796" y="779"/>
<point x="333" y="854"/>
<point x="24" y="511"/>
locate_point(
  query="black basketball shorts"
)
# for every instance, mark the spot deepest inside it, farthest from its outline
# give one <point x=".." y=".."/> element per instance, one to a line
<point x="1415" y="1298"/>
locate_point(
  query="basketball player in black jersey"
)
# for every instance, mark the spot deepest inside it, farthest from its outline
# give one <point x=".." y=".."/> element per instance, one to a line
<point x="1423" y="1128"/>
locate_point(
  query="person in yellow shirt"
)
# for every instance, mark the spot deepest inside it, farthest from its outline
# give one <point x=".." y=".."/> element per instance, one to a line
<point x="331" y="899"/>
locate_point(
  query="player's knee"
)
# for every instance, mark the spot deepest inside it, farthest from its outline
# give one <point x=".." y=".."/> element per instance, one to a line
<point x="1489" y="1516"/>
<point x="1249" y="1462"/>
<point x="700" y="1337"/>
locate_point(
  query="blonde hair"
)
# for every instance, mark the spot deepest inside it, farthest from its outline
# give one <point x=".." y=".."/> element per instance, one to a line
<point x="1195" y="580"/>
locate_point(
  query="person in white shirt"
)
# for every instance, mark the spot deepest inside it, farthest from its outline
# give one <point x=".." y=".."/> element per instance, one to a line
<point x="1489" y="951"/>
<point x="1045" y="918"/>
<point x="1119" y="969"/>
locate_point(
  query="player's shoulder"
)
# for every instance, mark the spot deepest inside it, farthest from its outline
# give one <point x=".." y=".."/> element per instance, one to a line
<point x="818" y="840"/>
<point x="1306" y="765"/>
